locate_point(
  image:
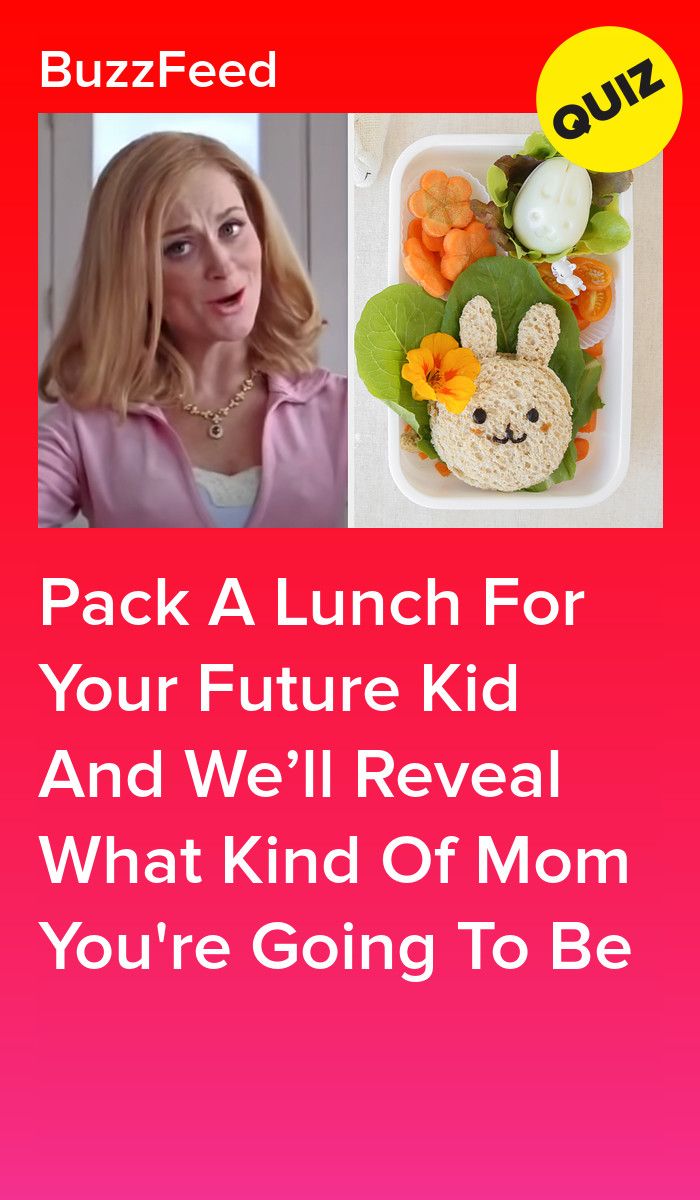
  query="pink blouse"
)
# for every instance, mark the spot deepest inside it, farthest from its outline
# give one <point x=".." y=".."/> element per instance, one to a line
<point x="135" y="473"/>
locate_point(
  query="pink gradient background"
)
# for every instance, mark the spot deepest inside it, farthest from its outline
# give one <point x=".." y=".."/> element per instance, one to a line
<point x="254" y="1083"/>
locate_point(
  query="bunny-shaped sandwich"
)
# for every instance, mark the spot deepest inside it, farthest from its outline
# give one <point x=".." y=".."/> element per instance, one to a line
<point x="515" y="430"/>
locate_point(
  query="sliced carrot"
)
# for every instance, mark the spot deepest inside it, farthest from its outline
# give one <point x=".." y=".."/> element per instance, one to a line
<point x="442" y="469"/>
<point x="431" y="243"/>
<point x="595" y="351"/>
<point x="441" y="203"/>
<point x="421" y="454"/>
<point x="582" y="448"/>
<point x="590" y="427"/>
<point x="415" y="230"/>
<point x="424" y="267"/>
<point x="414" y="248"/>
<point x="462" y="247"/>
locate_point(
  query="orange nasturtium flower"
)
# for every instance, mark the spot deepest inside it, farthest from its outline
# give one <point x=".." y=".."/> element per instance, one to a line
<point x="442" y="371"/>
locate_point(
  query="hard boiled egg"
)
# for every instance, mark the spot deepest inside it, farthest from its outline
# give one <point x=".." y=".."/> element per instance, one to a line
<point x="552" y="207"/>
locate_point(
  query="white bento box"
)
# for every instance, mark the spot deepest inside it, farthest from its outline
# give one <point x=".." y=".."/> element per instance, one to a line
<point x="606" y="464"/>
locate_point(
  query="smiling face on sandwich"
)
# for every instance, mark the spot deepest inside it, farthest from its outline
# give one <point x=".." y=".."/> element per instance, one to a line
<point x="211" y="262"/>
<point x="516" y="404"/>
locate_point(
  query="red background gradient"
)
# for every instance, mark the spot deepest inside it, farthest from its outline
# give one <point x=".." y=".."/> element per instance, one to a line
<point x="247" y="1082"/>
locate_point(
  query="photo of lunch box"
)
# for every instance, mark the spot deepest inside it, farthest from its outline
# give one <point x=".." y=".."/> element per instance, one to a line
<point x="605" y="466"/>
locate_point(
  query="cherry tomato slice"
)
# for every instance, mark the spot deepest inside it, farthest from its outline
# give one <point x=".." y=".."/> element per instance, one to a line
<point x="596" y="275"/>
<point x="593" y="306"/>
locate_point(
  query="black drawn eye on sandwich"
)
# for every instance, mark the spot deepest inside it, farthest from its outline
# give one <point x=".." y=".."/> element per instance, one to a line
<point x="478" y="417"/>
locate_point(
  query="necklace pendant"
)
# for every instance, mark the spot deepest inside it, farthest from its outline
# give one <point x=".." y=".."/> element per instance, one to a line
<point x="216" y="429"/>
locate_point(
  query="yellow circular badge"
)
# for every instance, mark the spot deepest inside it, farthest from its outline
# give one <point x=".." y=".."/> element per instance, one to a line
<point x="609" y="99"/>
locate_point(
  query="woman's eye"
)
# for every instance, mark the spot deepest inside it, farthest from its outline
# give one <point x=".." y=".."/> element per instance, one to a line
<point x="177" y="249"/>
<point x="231" y="228"/>
<point x="533" y="415"/>
<point x="479" y="416"/>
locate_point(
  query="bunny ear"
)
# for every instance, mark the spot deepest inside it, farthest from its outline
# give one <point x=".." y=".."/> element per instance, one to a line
<point x="477" y="328"/>
<point x="538" y="334"/>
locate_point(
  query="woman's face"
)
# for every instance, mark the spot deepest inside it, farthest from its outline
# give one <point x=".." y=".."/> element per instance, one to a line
<point x="211" y="262"/>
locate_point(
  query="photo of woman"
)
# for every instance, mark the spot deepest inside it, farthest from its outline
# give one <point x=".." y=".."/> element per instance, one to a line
<point x="183" y="382"/>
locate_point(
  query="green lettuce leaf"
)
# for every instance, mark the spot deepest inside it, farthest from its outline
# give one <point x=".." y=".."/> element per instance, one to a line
<point x="392" y="323"/>
<point x="539" y="146"/>
<point x="587" y="398"/>
<point x="497" y="185"/>
<point x="606" y="232"/>
<point x="425" y="446"/>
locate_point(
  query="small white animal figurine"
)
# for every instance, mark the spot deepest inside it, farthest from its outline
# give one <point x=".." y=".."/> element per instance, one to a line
<point x="564" y="271"/>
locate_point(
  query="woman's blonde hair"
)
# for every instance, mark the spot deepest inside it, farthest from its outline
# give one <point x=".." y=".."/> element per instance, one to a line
<point x="112" y="349"/>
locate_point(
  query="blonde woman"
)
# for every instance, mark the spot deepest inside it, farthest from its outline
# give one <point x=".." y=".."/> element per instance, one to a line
<point x="184" y="374"/>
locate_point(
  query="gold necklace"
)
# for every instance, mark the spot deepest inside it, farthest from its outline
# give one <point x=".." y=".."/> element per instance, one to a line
<point x="216" y="415"/>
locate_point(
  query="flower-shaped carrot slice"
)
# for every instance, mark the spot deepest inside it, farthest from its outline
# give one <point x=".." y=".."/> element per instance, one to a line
<point x="462" y="247"/>
<point x="441" y="203"/>
<point x="424" y="267"/>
